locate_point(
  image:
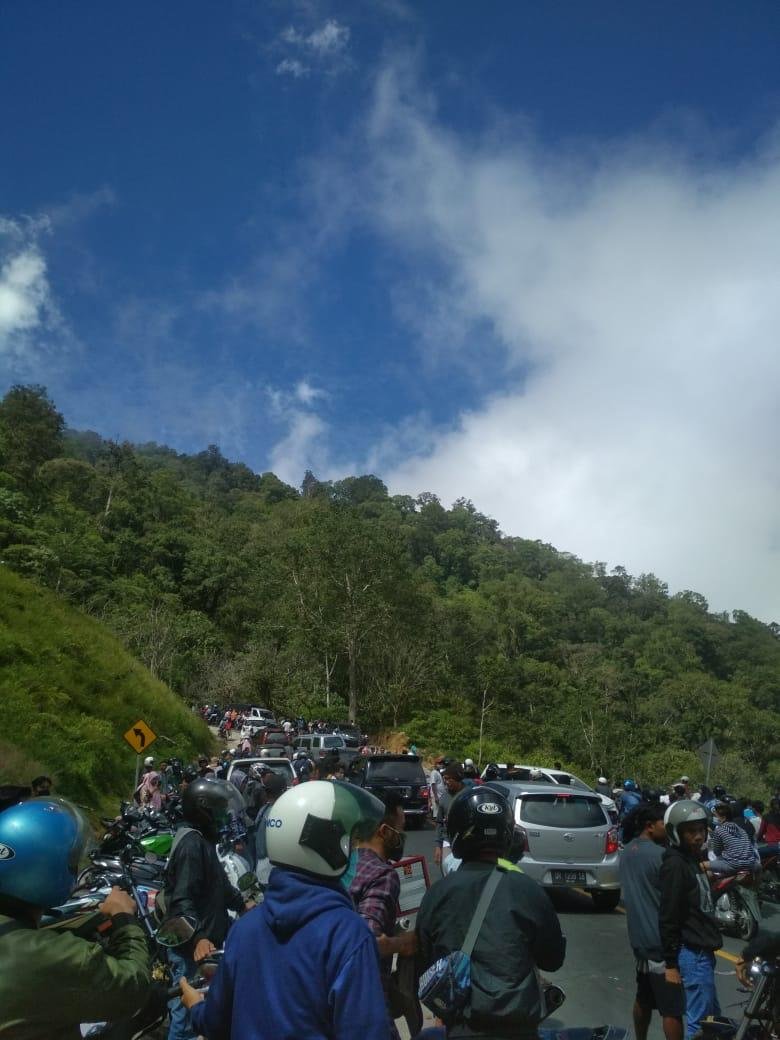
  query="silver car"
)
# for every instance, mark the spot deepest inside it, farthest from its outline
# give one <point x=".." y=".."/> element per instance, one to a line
<point x="569" y="839"/>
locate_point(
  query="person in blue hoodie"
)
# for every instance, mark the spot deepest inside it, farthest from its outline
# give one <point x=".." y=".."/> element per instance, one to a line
<point x="304" y="963"/>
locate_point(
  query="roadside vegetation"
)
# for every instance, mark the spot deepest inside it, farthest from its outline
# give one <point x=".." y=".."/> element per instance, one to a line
<point x="337" y="598"/>
<point x="69" y="690"/>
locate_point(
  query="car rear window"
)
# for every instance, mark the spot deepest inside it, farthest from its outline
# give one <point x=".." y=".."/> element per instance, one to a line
<point x="333" y="742"/>
<point x="398" y="772"/>
<point x="569" y="811"/>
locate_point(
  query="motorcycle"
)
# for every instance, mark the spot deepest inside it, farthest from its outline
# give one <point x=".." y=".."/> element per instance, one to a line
<point x="769" y="881"/>
<point x="761" y="1015"/>
<point x="737" y="909"/>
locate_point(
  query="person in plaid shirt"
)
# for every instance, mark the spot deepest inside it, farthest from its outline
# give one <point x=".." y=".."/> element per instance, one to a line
<point x="375" y="887"/>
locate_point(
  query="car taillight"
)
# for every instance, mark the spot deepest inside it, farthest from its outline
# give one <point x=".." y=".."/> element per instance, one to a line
<point x="519" y="841"/>
<point x="612" y="844"/>
<point x="423" y="792"/>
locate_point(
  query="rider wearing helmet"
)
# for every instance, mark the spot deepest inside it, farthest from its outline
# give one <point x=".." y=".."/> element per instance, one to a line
<point x="305" y="938"/>
<point x="689" y="934"/>
<point x="196" y="886"/>
<point x="519" y="934"/>
<point x="51" y="981"/>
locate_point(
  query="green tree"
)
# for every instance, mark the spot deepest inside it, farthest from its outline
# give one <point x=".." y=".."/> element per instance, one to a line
<point x="31" y="432"/>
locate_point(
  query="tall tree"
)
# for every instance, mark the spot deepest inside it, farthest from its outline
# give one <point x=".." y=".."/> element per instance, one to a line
<point x="31" y="432"/>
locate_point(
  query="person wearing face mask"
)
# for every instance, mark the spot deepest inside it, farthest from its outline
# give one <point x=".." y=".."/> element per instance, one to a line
<point x="375" y="886"/>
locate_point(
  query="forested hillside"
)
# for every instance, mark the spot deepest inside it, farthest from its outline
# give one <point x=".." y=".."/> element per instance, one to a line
<point x="69" y="690"/>
<point x="337" y="597"/>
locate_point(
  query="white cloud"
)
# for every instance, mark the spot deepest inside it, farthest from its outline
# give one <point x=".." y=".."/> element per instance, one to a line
<point x="324" y="49"/>
<point x="292" y="67"/>
<point x="636" y="298"/>
<point x="331" y="38"/>
<point x="308" y="394"/>
<point x="303" y="447"/>
<point x="27" y="307"/>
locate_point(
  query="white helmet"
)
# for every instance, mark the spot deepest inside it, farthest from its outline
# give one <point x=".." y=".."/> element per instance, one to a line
<point x="311" y="827"/>
<point x="602" y="779"/>
<point x="679" y="813"/>
<point x="469" y="763"/>
<point x="149" y="760"/>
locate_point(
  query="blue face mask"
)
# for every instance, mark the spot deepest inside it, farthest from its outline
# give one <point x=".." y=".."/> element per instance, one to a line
<point x="349" y="874"/>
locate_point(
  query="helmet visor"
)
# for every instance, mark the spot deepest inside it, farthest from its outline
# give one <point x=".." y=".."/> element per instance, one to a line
<point x="359" y="811"/>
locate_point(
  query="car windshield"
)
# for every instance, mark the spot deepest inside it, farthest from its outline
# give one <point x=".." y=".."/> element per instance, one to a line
<point x="397" y="772"/>
<point x="569" y="811"/>
<point x="333" y="742"/>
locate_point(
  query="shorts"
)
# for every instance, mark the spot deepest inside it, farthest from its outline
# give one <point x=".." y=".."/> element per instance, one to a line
<point x="653" y="991"/>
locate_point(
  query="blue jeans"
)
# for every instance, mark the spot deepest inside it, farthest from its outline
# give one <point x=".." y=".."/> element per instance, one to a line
<point x="180" y="1028"/>
<point x="697" y="968"/>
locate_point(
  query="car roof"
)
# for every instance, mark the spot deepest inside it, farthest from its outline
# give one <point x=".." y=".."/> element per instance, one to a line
<point x="265" y="761"/>
<point x="520" y="787"/>
<point x="392" y="758"/>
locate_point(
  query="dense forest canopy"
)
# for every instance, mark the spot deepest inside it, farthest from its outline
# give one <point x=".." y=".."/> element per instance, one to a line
<point x="339" y="598"/>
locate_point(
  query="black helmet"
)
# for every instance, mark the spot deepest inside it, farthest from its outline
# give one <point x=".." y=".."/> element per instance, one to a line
<point x="719" y="791"/>
<point x="492" y="771"/>
<point x="479" y="818"/>
<point x="208" y="803"/>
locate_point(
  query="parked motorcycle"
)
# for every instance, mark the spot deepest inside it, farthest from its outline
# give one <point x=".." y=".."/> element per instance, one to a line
<point x="769" y="881"/>
<point x="761" y="1015"/>
<point x="737" y="909"/>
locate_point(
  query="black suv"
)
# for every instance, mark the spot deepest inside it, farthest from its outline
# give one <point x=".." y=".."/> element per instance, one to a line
<point x="402" y="773"/>
<point x="351" y="733"/>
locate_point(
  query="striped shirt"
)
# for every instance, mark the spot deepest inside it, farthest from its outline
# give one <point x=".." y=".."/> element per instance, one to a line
<point x="730" y="842"/>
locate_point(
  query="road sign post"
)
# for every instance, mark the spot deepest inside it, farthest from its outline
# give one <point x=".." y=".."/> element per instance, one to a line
<point x="139" y="737"/>
<point x="709" y="756"/>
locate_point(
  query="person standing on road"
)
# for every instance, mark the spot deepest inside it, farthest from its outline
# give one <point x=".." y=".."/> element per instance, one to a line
<point x="689" y="934"/>
<point x="375" y="887"/>
<point x="436" y="786"/>
<point x="519" y="934"/>
<point x="603" y="787"/>
<point x="303" y="964"/>
<point x="452" y="778"/>
<point x="640" y="882"/>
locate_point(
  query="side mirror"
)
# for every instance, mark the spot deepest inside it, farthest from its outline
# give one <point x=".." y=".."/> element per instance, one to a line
<point x="246" y="881"/>
<point x="176" y="931"/>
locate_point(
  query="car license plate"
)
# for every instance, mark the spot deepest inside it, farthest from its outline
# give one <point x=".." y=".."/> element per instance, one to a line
<point x="405" y="792"/>
<point x="568" y="877"/>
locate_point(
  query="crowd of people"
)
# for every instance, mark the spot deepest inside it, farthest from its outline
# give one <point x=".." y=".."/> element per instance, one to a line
<point x="316" y="957"/>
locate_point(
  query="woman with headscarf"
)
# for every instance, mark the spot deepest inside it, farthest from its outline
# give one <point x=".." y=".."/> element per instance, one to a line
<point x="149" y="792"/>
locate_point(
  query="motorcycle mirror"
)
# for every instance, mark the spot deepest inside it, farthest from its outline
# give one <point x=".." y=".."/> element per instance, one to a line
<point x="176" y="931"/>
<point x="246" y="881"/>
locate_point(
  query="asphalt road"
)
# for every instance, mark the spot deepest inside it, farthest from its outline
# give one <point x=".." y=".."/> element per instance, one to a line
<point x="598" y="976"/>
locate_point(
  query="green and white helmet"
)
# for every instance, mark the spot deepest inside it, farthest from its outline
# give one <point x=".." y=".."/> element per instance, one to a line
<point x="311" y="827"/>
<point x="679" y="813"/>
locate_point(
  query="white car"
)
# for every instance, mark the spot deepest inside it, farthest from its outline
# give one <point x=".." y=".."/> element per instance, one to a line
<point x="282" y="766"/>
<point x="255" y="719"/>
<point x="556" y="776"/>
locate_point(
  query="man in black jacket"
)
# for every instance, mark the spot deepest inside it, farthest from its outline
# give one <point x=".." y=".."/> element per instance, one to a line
<point x="520" y="932"/>
<point x="196" y="886"/>
<point x="689" y="934"/>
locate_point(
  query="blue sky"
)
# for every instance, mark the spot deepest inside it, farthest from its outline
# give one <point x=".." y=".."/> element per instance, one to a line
<point x="529" y="257"/>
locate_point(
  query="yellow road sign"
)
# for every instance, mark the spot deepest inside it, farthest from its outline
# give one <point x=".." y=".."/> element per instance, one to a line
<point x="140" y="736"/>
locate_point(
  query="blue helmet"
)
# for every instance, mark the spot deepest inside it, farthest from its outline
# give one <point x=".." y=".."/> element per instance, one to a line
<point x="41" y="844"/>
<point x="629" y="785"/>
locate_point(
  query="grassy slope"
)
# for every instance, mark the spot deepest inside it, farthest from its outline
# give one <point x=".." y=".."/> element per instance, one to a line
<point x="68" y="691"/>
